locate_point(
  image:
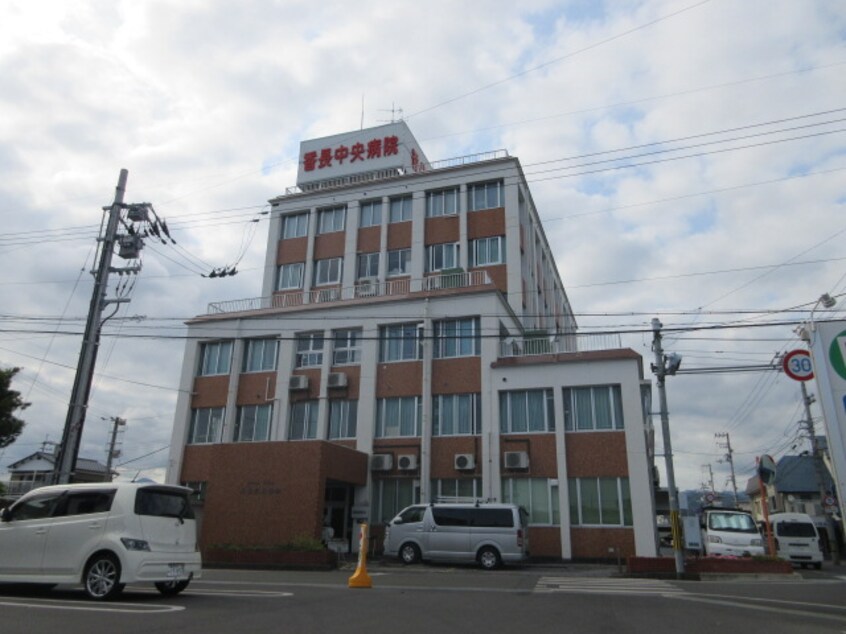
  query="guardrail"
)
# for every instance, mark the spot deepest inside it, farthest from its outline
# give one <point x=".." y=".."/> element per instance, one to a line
<point x="555" y="344"/>
<point x="363" y="289"/>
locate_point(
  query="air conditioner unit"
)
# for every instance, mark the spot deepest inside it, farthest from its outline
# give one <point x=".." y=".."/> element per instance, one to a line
<point x="516" y="460"/>
<point x="407" y="462"/>
<point x="465" y="461"/>
<point x="336" y="379"/>
<point x="367" y="287"/>
<point x="381" y="462"/>
<point x="298" y="382"/>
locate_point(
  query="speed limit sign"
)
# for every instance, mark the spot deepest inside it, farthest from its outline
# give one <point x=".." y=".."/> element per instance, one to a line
<point x="797" y="365"/>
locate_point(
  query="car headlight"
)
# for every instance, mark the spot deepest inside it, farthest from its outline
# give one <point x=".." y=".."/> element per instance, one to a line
<point x="134" y="544"/>
<point x="715" y="539"/>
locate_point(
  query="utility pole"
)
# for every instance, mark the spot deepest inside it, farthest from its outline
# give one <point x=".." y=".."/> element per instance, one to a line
<point x="663" y="366"/>
<point x="118" y="422"/>
<point x="807" y="399"/>
<point x="708" y="485"/>
<point x="730" y="460"/>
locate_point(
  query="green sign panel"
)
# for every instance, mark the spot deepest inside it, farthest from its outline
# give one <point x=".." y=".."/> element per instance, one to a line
<point x="837" y="354"/>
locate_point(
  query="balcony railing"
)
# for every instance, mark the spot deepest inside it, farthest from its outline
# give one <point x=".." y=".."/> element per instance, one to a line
<point x="555" y="344"/>
<point x="362" y="290"/>
<point x="16" y="488"/>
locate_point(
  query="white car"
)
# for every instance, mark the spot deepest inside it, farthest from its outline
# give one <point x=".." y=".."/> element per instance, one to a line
<point x="101" y="535"/>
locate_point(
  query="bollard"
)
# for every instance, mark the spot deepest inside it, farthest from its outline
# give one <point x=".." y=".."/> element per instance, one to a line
<point x="360" y="578"/>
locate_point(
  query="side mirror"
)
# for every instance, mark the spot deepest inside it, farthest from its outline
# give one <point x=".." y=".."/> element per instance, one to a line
<point x="5" y="515"/>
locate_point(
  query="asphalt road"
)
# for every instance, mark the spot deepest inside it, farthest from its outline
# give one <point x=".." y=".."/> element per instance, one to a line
<point x="442" y="599"/>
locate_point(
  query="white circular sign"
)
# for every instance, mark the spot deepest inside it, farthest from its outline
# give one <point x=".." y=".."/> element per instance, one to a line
<point x="828" y="501"/>
<point x="797" y="365"/>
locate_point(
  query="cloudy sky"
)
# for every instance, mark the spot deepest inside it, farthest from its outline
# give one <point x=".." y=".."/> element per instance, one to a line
<point x="687" y="158"/>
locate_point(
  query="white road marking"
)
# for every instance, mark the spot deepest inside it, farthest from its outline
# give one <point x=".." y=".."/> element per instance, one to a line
<point x="120" y="608"/>
<point x="606" y="586"/>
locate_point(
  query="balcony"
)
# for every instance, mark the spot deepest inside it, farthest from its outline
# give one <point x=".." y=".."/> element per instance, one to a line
<point x="16" y="488"/>
<point x="364" y="289"/>
<point x="557" y="344"/>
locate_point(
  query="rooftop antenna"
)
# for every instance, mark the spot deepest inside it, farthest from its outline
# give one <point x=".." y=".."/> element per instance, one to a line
<point x="396" y="114"/>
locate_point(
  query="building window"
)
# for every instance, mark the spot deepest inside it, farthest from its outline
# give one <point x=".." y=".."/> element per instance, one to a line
<point x="456" y="414"/>
<point x="302" y="424"/>
<point x="342" y="418"/>
<point x="253" y="424"/>
<point x="309" y="350"/>
<point x="484" y="196"/>
<point x="400" y="342"/>
<point x="260" y="355"/>
<point x="399" y="261"/>
<point x="368" y="265"/>
<point x="600" y="502"/>
<point x="457" y="490"/>
<point x="215" y="358"/>
<point x="523" y="411"/>
<point x="330" y="220"/>
<point x="327" y="271"/>
<point x="539" y="496"/>
<point x="398" y="417"/>
<point x="290" y="276"/>
<point x="371" y="214"/>
<point x="593" y="408"/>
<point x="199" y="490"/>
<point x="206" y="425"/>
<point x="442" y="203"/>
<point x="392" y="495"/>
<point x="457" y="338"/>
<point x="347" y="346"/>
<point x="487" y="251"/>
<point x="400" y="209"/>
<point x="295" y="226"/>
<point x="442" y="256"/>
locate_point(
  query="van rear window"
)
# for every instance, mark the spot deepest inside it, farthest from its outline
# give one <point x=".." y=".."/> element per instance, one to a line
<point x="163" y="503"/>
<point x="795" y="529"/>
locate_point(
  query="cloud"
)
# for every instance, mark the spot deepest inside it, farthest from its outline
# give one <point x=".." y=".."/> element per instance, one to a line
<point x="205" y="104"/>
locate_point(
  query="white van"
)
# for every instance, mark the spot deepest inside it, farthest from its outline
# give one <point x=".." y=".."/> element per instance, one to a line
<point x="729" y="532"/>
<point x="489" y="534"/>
<point x="797" y="539"/>
<point x="101" y="535"/>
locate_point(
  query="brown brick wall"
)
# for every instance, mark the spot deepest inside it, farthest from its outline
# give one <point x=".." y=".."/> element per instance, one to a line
<point x="593" y="543"/>
<point x="292" y="250"/>
<point x="256" y="388"/>
<point x="457" y="376"/>
<point x="441" y="229"/>
<point x="542" y="459"/>
<point x="498" y="274"/>
<point x="443" y="456"/>
<point x="210" y="391"/>
<point x="329" y="245"/>
<point x="353" y="373"/>
<point x="545" y="541"/>
<point x="485" y="224"/>
<point x="404" y="378"/>
<point x="368" y="239"/>
<point x="263" y="494"/>
<point x="596" y="454"/>
<point x="399" y="235"/>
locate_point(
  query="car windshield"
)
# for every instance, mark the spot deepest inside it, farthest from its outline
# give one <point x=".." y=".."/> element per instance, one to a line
<point x="796" y="529"/>
<point x="732" y="522"/>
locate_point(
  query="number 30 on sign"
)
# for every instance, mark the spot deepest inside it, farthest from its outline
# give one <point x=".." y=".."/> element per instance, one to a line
<point x="797" y="365"/>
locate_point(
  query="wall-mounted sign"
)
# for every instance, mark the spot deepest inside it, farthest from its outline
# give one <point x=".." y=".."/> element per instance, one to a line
<point x="384" y="147"/>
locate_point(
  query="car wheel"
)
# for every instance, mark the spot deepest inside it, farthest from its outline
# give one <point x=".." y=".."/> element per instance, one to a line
<point x="171" y="588"/>
<point x="489" y="558"/>
<point x="409" y="553"/>
<point x="102" y="577"/>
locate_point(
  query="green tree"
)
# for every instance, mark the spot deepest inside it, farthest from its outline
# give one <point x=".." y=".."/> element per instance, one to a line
<point x="10" y="402"/>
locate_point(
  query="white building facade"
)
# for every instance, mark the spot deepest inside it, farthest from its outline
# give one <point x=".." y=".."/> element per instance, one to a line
<point x="413" y="342"/>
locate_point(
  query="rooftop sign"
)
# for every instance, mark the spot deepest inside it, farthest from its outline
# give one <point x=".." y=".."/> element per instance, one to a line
<point x="386" y="147"/>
